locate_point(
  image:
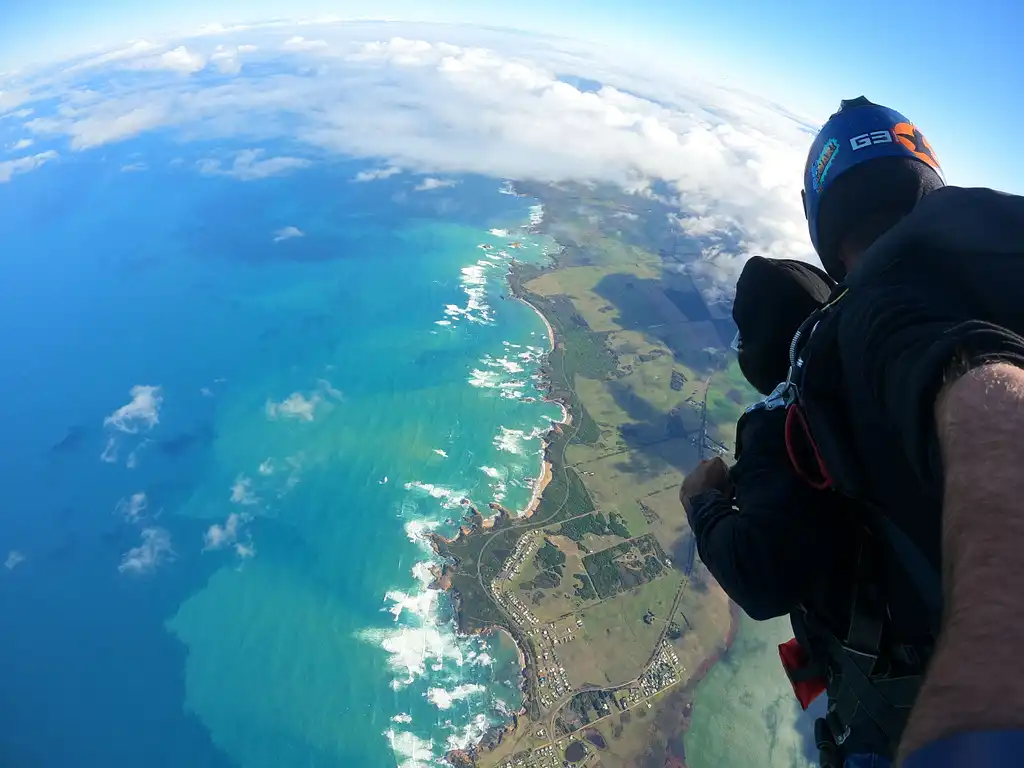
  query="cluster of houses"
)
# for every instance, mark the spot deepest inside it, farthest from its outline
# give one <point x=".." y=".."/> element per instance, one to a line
<point x="663" y="672"/>
<point x="513" y="605"/>
<point x="525" y="548"/>
<point x="542" y="757"/>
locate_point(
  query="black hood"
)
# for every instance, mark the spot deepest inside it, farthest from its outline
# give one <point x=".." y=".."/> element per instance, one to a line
<point x="773" y="297"/>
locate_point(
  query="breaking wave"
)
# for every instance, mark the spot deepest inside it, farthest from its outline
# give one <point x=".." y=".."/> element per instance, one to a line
<point x="443" y="699"/>
<point x="519" y="441"/>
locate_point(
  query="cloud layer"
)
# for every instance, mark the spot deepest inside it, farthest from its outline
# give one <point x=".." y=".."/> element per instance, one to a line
<point x="445" y="101"/>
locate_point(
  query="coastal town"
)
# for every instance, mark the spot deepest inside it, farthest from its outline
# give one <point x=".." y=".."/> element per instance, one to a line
<point x="663" y="673"/>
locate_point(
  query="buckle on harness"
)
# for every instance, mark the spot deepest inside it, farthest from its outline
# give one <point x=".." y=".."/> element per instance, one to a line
<point x="783" y="396"/>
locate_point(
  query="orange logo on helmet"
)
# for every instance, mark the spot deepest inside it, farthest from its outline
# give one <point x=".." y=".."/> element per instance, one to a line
<point x="910" y="137"/>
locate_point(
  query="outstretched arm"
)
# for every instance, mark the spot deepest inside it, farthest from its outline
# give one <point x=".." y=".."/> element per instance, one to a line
<point x="976" y="678"/>
<point x="954" y="391"/>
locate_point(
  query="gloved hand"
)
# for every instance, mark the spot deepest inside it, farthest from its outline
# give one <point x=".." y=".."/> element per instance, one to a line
<point x="710" y="474"/>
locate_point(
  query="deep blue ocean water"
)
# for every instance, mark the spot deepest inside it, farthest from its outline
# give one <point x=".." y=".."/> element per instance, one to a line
<point x="205" y="565"/>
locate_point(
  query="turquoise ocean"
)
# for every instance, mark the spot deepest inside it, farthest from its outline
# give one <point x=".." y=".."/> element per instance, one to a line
<point x="231" y="410"/>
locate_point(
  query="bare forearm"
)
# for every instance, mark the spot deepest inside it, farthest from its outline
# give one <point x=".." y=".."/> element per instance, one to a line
<point x="976" y="678"/>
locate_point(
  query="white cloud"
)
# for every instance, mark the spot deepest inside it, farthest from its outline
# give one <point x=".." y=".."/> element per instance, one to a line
<point x="154" y="551"/>
<point x="14" y="559"/>
<point x="180" y="60"/>
<point x="143" y="412"/>
<point x="146" y="55"/>
<point x="9" y="99"/>
<point x="132" y="508"/>
<point x="216" y="28"/>
<point x="374" y="175"/>
<point x="267" y="467"/>
<point x="329" y="390"/>
<point x="133" y="456"/>
<point x="246" y="550"/>
<point x="134" y="167"/>
<point x="287" y="233"/>
<point x="248" y="166"/>
<point x="8" y="168"/>
<point x="109" y="454"/>
<point x="432" y="183"/>
<point x="228" y="59"/>
<point x="104" y="123"/>
<point x="299" y="43"/>
<point x="241" y="492"/>
<point x="218" y="536"/>
<point x="231" y="533"/>
<point x="130" y="51"/>
<point x="22" y="144"/>
<point x="295" y="406"/>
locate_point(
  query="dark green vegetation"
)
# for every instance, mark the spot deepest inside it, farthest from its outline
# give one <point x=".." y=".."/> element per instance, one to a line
<point x="549" y="556"/>
<point x="584" y="708"/>
<point x="584" y="589"/>
<point x="625" y="565"/>
<point x="543" y="580"/>
<point x="596" y="524"/>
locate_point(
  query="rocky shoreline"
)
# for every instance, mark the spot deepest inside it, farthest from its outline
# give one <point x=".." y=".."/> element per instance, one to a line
<point x="476" y="524"/>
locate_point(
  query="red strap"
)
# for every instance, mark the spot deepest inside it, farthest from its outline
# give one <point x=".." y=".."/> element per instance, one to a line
<point x="794" y="658"/>
<point x="795" y="420"/>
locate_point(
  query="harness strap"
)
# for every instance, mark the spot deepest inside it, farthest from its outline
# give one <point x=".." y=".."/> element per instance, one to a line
<point x="925" y="576"/>
<point x="860" y="686"/>
<point x="886" y="701"/>
<point x="864" y="629"/>
<point x="922" y="573"/>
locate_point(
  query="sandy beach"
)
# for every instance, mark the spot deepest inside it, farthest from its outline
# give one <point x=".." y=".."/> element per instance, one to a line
<point x="545" y="476"/>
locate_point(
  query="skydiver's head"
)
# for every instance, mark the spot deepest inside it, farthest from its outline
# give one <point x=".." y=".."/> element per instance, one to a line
<point x="867" y="169"/>
<point x="773" y="297"/>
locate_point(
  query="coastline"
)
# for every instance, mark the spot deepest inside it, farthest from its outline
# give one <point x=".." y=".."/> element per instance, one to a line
<point x="477" y="523"/>
<point x="680" y="706"/>
<point x="546" y="466"/>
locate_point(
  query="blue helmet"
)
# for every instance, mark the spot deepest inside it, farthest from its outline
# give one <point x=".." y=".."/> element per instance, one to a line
<point x="860" y="131"/>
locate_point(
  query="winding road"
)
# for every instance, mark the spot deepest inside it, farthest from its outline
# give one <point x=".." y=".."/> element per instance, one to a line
<point x="691" y="553"/>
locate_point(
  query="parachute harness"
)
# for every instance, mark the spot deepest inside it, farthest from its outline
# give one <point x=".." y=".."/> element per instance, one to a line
<point x="799" y="439"/>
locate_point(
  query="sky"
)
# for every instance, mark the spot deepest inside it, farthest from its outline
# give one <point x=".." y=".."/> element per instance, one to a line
<point x="951" y="67"/>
